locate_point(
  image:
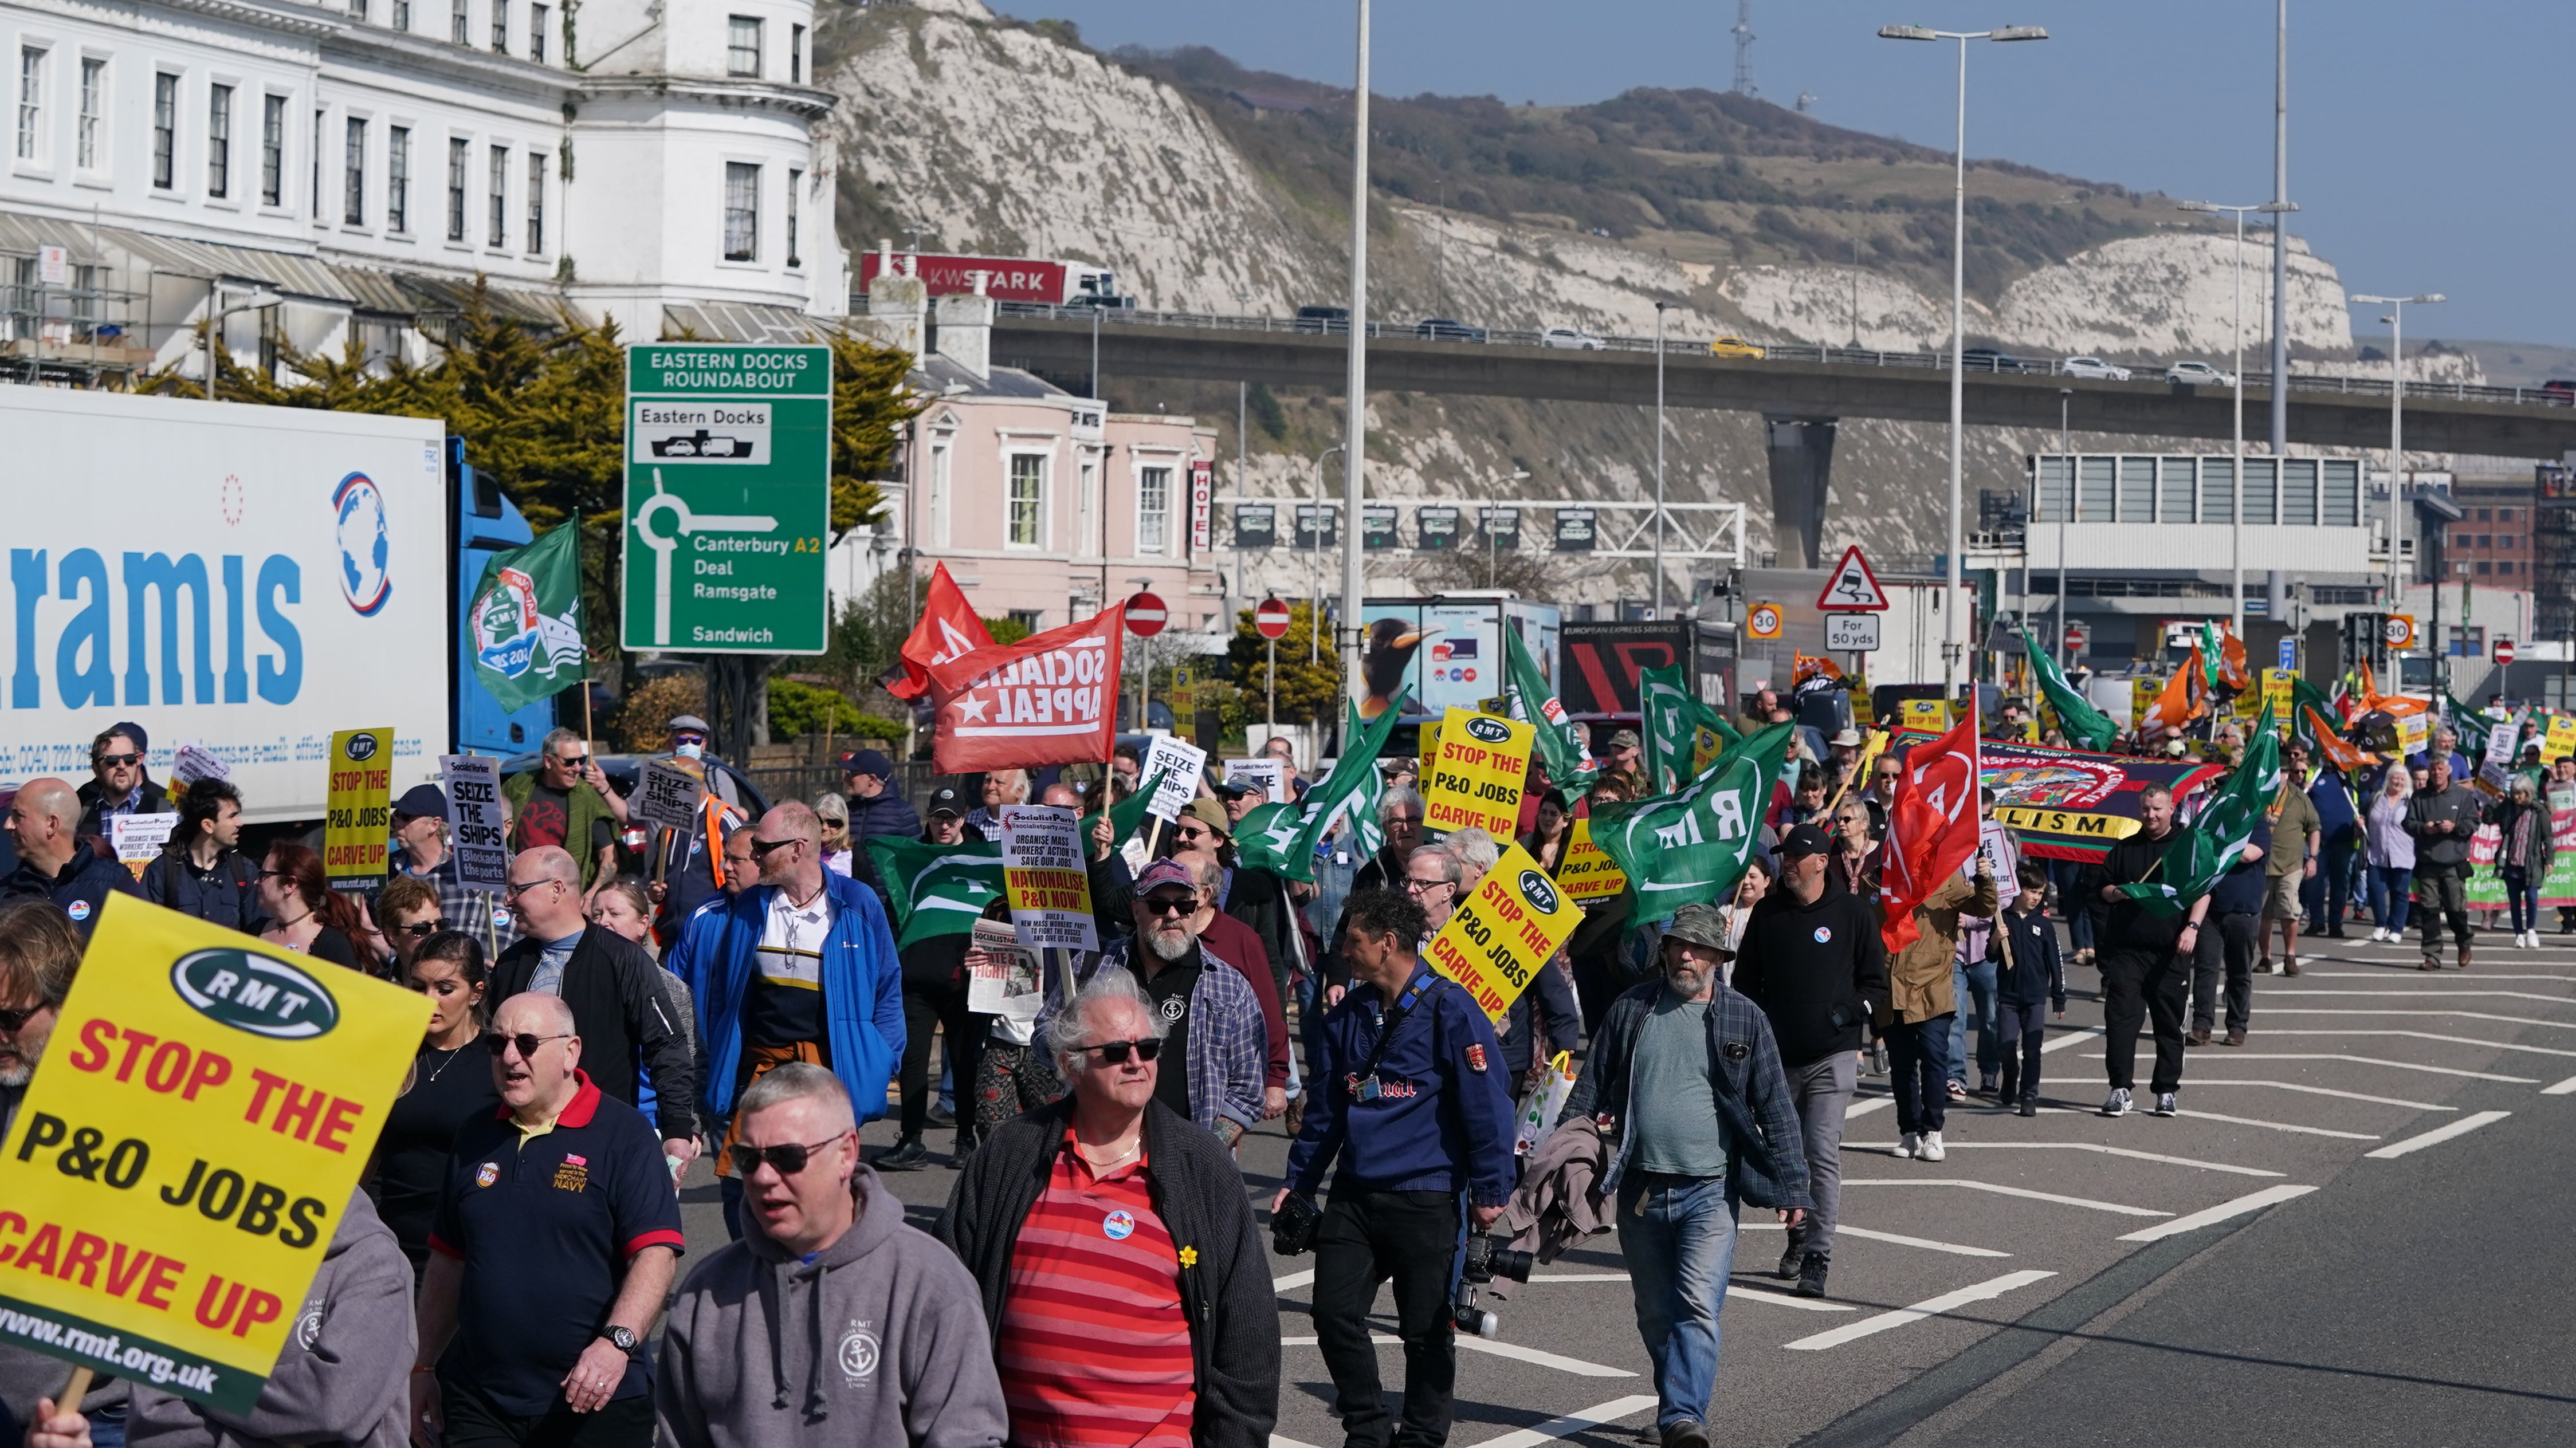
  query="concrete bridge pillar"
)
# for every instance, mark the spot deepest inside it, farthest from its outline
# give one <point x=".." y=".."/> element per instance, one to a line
<point x="1802" y="461"/>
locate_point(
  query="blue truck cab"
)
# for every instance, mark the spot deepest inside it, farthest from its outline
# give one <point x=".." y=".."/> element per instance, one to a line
<point x="486" y="523"/>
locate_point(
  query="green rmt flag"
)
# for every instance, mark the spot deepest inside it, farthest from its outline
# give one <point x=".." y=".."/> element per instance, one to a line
<point x="2085" y="725"/>
<point x="1692" y="847"/>
<point x="1560" y="739"/>
<point x="2212" y="844"/>
<point x="527" y="620"/>
<point x="1281" y="838"/>
<point x="936" y="889"/>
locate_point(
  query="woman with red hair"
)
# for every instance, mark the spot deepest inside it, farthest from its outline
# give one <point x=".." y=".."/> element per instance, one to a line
<point x="304" y="913"/>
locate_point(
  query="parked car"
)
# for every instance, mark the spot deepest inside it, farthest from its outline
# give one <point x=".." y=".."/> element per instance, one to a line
<point x="2093" y="367"/>
<point x="1735" y="347"/>
<point x="1572" y="338"/>
<point x="2560" y="390"/>
<point x="1324" y="319"/>
<point x="2199" y="374"/>
<point x="1444" y="329"/>
<point x="1987" y="359"/>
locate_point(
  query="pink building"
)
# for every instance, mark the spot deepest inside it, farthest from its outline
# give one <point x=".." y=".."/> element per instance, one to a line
<point x="1043" y="506"/>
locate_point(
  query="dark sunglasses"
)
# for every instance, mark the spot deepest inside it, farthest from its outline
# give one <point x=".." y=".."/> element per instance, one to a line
<point x="789" y="1158"/>
<point x="762" y="849"/>
<point x="119" y="761"/>
<point x="1115" y="1052"/>
<point x="679" y="739"/>
<point x="422" y="929"/>
<point x="1169" y="904"/>
<point x="11" y="1021"/>
<point x="495" y="1042"/>
<point x="576" y="762"/>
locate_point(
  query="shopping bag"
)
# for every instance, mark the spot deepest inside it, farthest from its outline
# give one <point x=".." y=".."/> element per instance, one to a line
<point x="1539" y="1112"/>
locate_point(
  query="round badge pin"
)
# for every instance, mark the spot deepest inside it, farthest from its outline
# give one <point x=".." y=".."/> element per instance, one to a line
<point x="1118" y="1225"/>
<point x="1824" y="933"/>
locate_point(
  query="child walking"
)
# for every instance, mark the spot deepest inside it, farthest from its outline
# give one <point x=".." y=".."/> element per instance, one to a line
<point x="2028" y="973"/>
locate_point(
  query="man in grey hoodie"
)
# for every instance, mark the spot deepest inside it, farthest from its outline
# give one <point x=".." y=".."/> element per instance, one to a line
<point x="340" y="1379"/>
<point x="830" y="1315"/>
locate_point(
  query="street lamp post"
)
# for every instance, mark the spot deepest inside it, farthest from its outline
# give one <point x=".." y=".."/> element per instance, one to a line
<point x="1954" y="645"/>
<point x="1660" y="309"/>
<point x="1315" y="596"/>
<point x="2065" y="510"/>
<point x="2236" y="469"/>
<point x="1355" y="454"/>
<point x="2396" y="320"/>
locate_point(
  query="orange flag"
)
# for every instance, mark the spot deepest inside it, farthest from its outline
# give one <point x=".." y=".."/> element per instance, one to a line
<point x="2178" y="704"/>
<point x="2231" y="660"/>
<point x="2339" y="753"/>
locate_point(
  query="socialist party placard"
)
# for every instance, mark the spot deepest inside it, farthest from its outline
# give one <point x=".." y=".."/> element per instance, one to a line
<point x="187" y="1149"/>
<point x="1042" y="867"/>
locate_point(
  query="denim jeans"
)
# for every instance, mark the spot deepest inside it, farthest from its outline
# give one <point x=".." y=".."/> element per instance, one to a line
<point x="1917" y="1052"/>
<point x="1973" y="985"/>
<point x="1678" y="1234"/>
<point x="2066" y="875"/>
<point x="2388" y="885"/>
<point x="2522" y="893"/>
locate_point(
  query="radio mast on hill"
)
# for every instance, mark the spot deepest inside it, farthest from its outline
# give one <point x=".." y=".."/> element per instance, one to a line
<point x="1743" y="33"/>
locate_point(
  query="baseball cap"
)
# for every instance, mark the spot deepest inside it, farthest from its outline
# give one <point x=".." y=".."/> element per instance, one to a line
<point x="421" y="801"/>
<point x="1626" y="739"/>
<point x="1699" y="925"/>
<point x="947" y="799"/>
<point x="687" y="721"/>
<point x="133" y="731"/>
<point x="1209" y="813"/>
<point x="1165" y="872"/>
<point x="867" y="761"/>
<point x="1237" y="786"/>
<point x="1804" y="840"/>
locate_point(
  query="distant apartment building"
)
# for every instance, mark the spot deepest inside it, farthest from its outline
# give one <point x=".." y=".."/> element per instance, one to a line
<point x="2494" y="537"/>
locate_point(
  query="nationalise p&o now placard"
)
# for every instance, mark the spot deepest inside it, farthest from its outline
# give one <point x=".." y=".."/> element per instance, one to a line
<point x="187" y="1148"/>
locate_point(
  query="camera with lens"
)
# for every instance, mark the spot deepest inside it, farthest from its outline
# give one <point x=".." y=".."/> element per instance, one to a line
<point x="1294" y="1226"/>
<point x="1480" y="1261"/>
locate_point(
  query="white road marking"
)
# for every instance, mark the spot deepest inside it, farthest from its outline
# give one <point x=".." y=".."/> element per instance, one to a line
<point x="2437" y="1135"/>
<point x="2281" y="1126"/>
<point x="1928" y="1307"/>
<point x="1846" y="1229"/>
<point x="1866" y="1105"/>
<point x="2071" y="1037"/>
<point x="2251" y="1202"/>
<point x="1582" y="1277"/>
<point x="2324" y="1091"/>
<point x="1278" y="1442"/>
<point x="2384" y="974"/>
<point x="2090" y="1146"/>
<point x="2561" y="1089"/>
<point x="2376" y="1061"/>
<point x="1778" y="1298"/>
<point x="1576" y="1366"/>
<point x="2429" y="990"/>
<point x="2430" y="1036"/>
<point x="1292" y="1281"/>
<point x="1571" y="1424"/>
<point x="2413" y="1015"/>
<point x="2085" y="1202"/>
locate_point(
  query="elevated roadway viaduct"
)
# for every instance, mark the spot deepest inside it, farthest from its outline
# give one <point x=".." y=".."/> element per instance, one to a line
<point x="1800" y="396"/>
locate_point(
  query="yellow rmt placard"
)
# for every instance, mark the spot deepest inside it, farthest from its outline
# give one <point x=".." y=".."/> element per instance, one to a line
<point x="1473" y="780"/>
<point x="1501" y="936"/>
<point x="1586" y="872"/>
<point x="361" y="808"/>
<point x="187" y="1149"/>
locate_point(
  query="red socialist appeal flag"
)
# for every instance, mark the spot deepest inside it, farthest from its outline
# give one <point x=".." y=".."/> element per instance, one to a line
<point x="1049" y="699"/>
<point x="949" y="629"/>
<point x="1932" y="830"/>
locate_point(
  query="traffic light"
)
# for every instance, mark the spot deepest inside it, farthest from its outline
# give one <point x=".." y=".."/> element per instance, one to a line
<point x="2365" y="643"/>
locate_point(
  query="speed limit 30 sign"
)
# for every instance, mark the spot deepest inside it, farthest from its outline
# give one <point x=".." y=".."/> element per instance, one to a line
<point x="1763" y="622"/>
<point x="2398" y="631"/>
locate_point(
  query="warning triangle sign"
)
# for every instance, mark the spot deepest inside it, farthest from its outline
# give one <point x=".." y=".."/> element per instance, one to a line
<point x="1852" y="586"/>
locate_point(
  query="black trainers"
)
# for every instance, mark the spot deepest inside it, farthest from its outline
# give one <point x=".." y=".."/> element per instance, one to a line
<point x="1790" y="1260"/>
<point x="1688" y="1433"/>
<point x="2030" y="1106"/>
<point x="905" y="1155"/>
<point x="1811" y="1275"/>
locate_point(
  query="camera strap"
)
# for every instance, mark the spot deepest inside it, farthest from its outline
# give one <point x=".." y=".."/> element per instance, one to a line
<point x="1394" y="1018"/>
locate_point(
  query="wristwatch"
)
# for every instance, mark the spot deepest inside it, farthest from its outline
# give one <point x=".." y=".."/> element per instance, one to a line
<point x="622" y="1338"/>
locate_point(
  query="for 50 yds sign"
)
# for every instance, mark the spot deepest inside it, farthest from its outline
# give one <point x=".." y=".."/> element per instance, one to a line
<point x="185" y="1152"/>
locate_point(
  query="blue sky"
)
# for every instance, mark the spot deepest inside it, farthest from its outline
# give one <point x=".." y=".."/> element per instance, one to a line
<point x="2427" y="149"/>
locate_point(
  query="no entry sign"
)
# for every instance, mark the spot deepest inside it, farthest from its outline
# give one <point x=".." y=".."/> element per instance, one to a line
<point x="1145" y="615"/>
<point x="1271" y="619"/>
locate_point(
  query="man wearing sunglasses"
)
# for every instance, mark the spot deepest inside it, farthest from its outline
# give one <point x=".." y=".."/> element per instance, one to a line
<point x="566" y="802"/>
<point x="118" y="783"/>
<point x="832" y="1320"/>
<point x="1122" y="1272"/>
<point x="556" y="1239"/>
<point x="800" y="967"/>
<point x="1413" y="1106"/>
<point x="54" y="862"/>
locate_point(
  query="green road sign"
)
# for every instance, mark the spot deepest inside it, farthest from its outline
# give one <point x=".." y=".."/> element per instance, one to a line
<point x="728" y="497"/>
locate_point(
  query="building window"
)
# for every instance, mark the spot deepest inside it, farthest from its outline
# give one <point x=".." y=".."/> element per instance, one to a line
<point x="1028" y="498"/>
<point x="402" y="15"/>
<point x="742" y="46"/>
<point x="537" y="22"/>
<point x="219" y="140"/>
<point x="500" y="27"/>
<point x="358" y="11"/>
<point x="93" y="108"/>
<point x="318" y="118"/>
<point x="1030" y="620"/>
<point x="741" y="211"/>
<point x="796" y="54"/>
<point x="795" y="184"/>
<point x="353" y="174"/>
<point x="398" y="178"/>
<point x="455" y="190"/>
<point x="165" y="131"/>
<point x="456" y="21"/>
<point x="536" y="203"/>
<point x="499" y="201"/>
<point x="1153" y="509"/>
<point x="272" y="151"/>
<point x="31" y="99"/>
<point x="939" y="510"/>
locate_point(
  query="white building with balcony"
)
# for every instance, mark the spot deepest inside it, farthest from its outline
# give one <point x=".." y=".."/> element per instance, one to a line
<point x="315" y="175"/>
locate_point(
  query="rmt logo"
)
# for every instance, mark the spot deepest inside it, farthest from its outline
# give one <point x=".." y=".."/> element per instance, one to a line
<point x="360" y="748"/>
<point x="1491" y="731"/>
<point x="1536" y="889"/>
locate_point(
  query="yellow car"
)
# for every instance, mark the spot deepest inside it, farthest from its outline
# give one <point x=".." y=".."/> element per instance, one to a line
<point x="1734" y="347"/>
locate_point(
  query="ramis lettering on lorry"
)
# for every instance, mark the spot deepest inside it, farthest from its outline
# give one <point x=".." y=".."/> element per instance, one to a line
<point x="84" y="654"/>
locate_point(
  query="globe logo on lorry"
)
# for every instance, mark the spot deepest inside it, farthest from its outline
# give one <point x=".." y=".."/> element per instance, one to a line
<point x="366" y="579"/>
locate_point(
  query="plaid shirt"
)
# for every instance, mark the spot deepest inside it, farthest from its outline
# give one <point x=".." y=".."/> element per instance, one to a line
<point x="476" y="911"/>
<point x="1229" y="1039"/>
<point x="1766" y="1156"/>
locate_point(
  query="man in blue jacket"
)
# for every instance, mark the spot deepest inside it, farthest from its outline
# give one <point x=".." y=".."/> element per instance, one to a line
<point x="799" y="967"/>
<point x="1686" y="1077"/>
<point x="1413" y="1102"/>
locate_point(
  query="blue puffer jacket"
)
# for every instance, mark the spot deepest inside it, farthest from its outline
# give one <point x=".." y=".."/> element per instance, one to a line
<point x="862" y="990"/>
